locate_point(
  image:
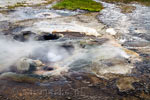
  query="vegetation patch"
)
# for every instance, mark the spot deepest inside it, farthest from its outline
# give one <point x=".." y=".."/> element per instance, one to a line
<point x="89" y="5"/>
<point x="145" y="2"/>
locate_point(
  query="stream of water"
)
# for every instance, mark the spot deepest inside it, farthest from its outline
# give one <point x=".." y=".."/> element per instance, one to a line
<point x="137" y="22"/>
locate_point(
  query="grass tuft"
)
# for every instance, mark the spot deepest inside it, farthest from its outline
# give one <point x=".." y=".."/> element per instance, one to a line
<point x="89" y="5"/>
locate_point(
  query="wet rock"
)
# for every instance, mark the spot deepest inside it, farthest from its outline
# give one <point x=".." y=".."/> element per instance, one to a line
<point x="94" y="42"/>
<point x="143" y="66"/>
<point x="142" y="34"/>
<point x="111" y="31"/>
<point x="28" y="35"/>
<point x="47" y="15"/>
<point x="136" y="44"/>
<point x="48" y="36"/>
<point x="25" y="65"/>
<point x="46" y="68"/>
<point x="25" y="36"/>
<point x="125" y="83"/>
<point x="38" y="63"/>
<point x="12" y="29"/>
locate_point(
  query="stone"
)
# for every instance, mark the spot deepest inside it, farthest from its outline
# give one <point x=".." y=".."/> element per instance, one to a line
<point x="25" y="36"/>
<point x="111" y="31"/>
<point x="38" y="63"/>
<point x="113" y="66"/>
<point x="70" y="24"/>
<point x="48" y="36"/>
<point x="125" y="83"/>
<point x="25" y="65"/>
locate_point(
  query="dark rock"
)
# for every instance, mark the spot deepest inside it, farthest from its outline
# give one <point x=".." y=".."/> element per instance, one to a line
<point x="25" y="65"/>
<point x="94" y="42"/>
<point x="143" y="67"/>
<point x="48" y="36"/>
<point x="13" y="29"/>
<point x="46" y="68"/>
<point x="143" y="36"/>
<point x="25" y="36"/>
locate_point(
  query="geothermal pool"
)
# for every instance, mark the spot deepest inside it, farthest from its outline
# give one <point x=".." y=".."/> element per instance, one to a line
<point x="48" y="54"/>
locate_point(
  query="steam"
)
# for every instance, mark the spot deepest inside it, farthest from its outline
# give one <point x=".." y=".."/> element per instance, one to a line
<point x="12" y="51"/>
<point x="58" y="54"/>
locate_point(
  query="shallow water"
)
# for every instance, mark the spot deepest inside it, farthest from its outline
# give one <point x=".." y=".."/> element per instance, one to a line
<point x="126" y="23"/>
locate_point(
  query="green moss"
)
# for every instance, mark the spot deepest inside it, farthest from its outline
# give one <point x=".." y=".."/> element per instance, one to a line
<point x="89" y="5"/>
<point x="145" y="2"/>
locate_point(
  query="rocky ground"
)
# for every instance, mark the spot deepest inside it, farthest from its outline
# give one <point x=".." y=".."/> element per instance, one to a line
<point x="49" y="54"/>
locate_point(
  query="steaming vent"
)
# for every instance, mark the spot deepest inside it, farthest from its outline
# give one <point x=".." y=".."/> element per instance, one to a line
<point x="28" y="35"/>
<point x="57" y="57"/>
<point x="27" y="56"/>
<point x="46" y="60"/>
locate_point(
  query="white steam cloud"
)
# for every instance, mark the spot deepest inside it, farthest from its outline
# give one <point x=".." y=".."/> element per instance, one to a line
<point x="12" y="51"/>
